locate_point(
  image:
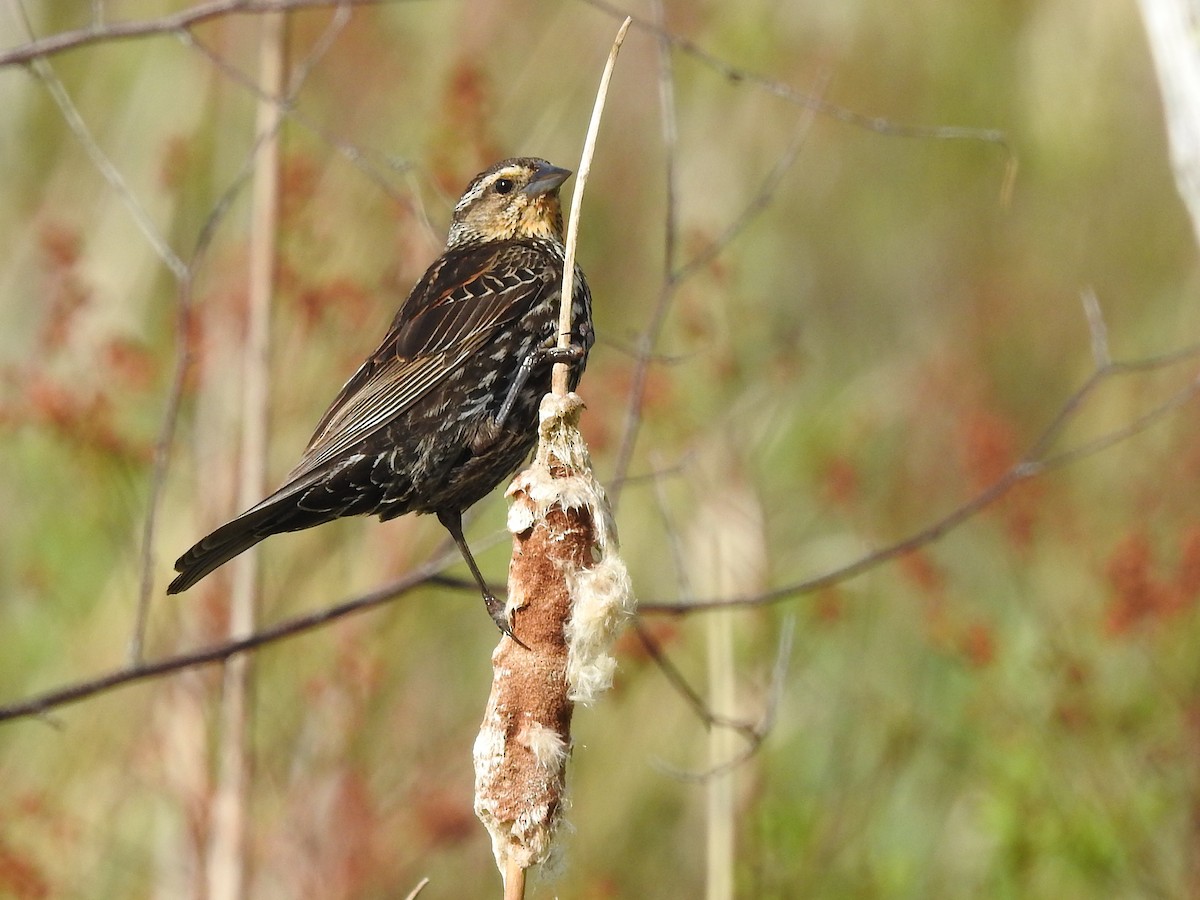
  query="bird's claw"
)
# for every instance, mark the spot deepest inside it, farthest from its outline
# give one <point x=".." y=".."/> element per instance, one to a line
<point x="498" y="610"/>
<point x="569" y="354"/>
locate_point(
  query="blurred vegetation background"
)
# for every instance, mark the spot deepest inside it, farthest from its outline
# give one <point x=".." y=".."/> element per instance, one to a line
<point x="1012" y="711"/>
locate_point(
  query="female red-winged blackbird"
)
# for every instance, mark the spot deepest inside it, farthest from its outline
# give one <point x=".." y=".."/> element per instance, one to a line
<point x="446" y="408"/>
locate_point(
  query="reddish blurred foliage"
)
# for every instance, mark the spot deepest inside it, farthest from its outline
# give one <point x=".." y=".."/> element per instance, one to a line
<point x="78" y="414"/>
<point x="76" y="409"/>
<point x="977" y="644"/>
<point x="1188" y="579"/>
<point x="65" y="293"/>
<point x="695" y="319"/>
<point x="1073" y="715"/>
<point x="990" y="444"/>
<point x="20" y="877"/>
<point x="609" y="405"/>
<point x="919" y="567"/>
<point x="415" y="245"/>
<point x="212" y="606"/>
<point x="298" y="180"/>
<point x="989" y="447"/>
<point x="344" y="300"/>
<point x="1074" y="709"/>
<point x="444" y="817"/>
<point x="630" y="649"/>
<point x="329" y="844"/>
<point x="841" y="484"/>
<point x="602" y="887"/>
<point x="176" y="165"/>
<point x="696" y="244"/>
<point x="597" y="432"/>
<point x="974" y="642"/>
<point x="658" y="390"/>
<point x="1140" y="594"/>
<point x="352" y="828"/>
<point x="61" y="244"/>
<point x="38" y="807"/>
<point x="358" y="668"/>
<point x="463" y="145"/>
<point x="131" y="364"/>
<point x="829" y="605"/>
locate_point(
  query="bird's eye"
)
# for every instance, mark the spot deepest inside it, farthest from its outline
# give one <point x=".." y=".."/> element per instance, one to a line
<point x="504" y="185"/>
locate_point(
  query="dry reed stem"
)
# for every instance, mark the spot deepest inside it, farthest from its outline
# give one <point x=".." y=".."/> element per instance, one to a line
<point x="559" y="384"/>
<point x="1171" y="30"/>
<point x="226" y="864"/>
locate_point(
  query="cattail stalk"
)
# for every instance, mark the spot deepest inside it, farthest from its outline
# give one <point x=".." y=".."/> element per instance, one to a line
<point x="568" y="596"/>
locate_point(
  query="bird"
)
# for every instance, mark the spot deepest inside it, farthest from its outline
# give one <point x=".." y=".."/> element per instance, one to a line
<point x="446" y="408"/>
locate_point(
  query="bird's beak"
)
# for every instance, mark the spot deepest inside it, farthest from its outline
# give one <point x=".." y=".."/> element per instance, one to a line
<point x="547" y="178"/>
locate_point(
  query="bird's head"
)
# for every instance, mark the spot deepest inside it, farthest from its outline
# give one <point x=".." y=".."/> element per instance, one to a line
<point x="516" y="198"/>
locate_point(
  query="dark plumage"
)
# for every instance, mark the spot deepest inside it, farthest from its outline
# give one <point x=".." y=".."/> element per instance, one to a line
<point x="446" y="408"/>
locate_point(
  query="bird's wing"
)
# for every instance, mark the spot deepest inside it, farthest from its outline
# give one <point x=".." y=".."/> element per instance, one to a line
<point x="451" y="313"/>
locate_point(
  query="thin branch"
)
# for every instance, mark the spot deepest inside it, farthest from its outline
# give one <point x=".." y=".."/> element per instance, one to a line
<point x="648" y="339"/>
<point x="761" y="199"/>
<point x="163" y="443"/>
<point x="670" y="138"/>
<point x="690" y="695"/>
<point x="784" y="91"/>
<point x="105" y="166"/>
<point x="101" y="32"/>
<point x="674" y="277"/>
<point x="1089" y="448"/>
<point x="753" y="733"/>
<point x="40" y="704"/>
<point x="374" y="164"/>
<point x="1036" y="462"/>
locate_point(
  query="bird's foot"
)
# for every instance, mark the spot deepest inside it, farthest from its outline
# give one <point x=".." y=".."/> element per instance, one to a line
<point x="498" y="610"/>
<point x="569" y="354"/>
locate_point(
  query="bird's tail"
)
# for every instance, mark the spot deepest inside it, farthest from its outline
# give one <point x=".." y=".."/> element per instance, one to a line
<point x="279" y="512"/>
<point x="213" y="551"/>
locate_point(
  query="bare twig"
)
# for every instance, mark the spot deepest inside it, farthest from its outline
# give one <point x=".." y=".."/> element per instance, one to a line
<point x="674" y="276"/>
<point x="754" y="733"/>
<point x="105" y="32"/>
<point x="786" y="92"/>
<point x="1037" y="461"/>
<point x="104" y="165"/>
<point x="41" y="704"/>
<point x="374" y="164"/>
<point x="648" y="339"/>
